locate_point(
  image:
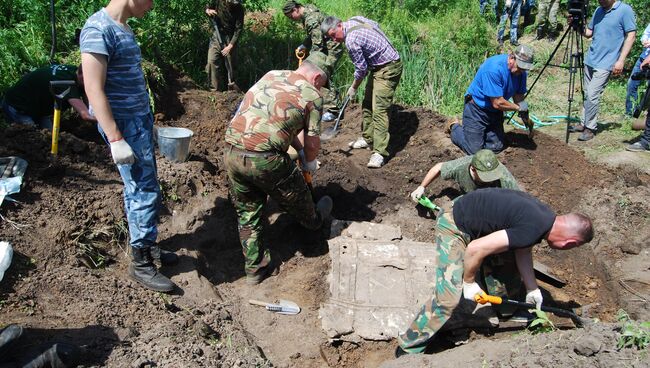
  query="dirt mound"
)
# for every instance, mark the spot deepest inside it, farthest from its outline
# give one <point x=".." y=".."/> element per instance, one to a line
<point x="73" y="207"/>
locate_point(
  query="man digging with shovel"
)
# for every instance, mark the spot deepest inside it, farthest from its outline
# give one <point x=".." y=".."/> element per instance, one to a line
<point x="271" y="115"/>
<point x="481" y="223"/>
<point x="227" y="19"/>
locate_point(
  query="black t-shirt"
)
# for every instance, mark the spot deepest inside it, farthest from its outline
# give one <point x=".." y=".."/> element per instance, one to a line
<point x="524" y="218"/>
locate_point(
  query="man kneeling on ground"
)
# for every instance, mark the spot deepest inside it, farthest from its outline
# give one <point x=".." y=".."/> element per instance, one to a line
<point x="274" y="111"/>
<point x="481" y="223"/>
<point x="498" y="79"/>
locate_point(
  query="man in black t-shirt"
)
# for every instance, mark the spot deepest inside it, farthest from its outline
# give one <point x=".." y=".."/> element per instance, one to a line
<point x="481" y="223"/>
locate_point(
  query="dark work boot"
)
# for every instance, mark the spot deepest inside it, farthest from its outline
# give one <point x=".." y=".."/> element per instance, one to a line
<point x="8" y="336"/>
<point x="540" y="33"/>
<point x="58" y="356"/>
<point x="163" y="257"/>
<point x="143" y="270"/>
<point x="324" y="207"/>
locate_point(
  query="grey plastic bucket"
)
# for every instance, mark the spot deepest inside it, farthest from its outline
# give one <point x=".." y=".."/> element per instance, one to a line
<point x="174" y="143"/>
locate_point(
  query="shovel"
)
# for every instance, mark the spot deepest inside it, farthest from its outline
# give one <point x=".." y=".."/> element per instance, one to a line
<point x="281" y="307"/>
<point x="426" y="202"/>
<point x="577" y="320"/>
<point x="330" y="133"/>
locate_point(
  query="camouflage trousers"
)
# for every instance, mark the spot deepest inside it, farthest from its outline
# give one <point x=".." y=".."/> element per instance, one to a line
<point x="547" y="11"/>
<point x="378" y="97"/>
<point x="252" y="178"/>
<point x="448" y="288"/>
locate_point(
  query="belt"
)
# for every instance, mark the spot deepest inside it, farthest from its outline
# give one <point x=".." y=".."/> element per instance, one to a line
<point x="247" y="153"/>
<point x="378" y="67"/>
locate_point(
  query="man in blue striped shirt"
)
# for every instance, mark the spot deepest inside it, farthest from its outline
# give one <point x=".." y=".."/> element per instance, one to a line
<point x="118" y="97"/>
<point x="370" y="52"/>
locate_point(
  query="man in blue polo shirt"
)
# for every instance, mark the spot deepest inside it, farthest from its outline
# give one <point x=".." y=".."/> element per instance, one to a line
<point x="498" y="79"/>
<point x="613" y="28"/>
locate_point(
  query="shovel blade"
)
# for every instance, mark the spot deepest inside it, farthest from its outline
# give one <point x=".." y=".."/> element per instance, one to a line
<point x="328" y="134"/>
<point x="288" y="307"/>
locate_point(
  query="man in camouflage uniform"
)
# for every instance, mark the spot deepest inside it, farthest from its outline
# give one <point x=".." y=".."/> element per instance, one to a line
<point x="311" y="18"/>
<point x="227" y="18"/>
<point x="483" y="170"/>
<point x="274" y="111"/>
<point x="481" y="223"/>
<point x="546" y="21"/>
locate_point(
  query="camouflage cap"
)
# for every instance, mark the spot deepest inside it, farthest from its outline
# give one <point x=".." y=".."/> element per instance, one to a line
<point x="289" y="6"/>
<point x="318" y="59"/>
<point x="525" y="56"/>
<point x="487" y="166"/>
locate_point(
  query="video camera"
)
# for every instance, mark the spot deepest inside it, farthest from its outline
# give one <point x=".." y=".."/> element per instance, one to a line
<point x="578" y="12"/>
<point x="643" y="74"/>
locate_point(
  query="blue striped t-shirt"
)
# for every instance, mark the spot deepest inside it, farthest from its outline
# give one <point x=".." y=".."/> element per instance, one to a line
<point x="125" y="85"/>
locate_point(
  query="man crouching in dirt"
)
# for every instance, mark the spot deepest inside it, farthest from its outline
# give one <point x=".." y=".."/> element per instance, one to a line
<point x="118" y="97"/>
<point x="273" y="112"/>
<point x="498" y="79"/>
<point x="484" y="222"/>
<point x="483" y="170"/>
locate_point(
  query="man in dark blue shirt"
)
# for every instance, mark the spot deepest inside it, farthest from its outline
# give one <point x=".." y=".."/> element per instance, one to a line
<point x="499" y="78"/>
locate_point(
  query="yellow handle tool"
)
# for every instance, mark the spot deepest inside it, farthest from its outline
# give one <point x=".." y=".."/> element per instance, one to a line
<point x="56" y="124"/>
<point x="484" y="298"/>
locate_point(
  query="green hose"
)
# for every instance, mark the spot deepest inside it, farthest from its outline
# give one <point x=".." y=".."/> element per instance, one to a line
<point x="538" y="123"/>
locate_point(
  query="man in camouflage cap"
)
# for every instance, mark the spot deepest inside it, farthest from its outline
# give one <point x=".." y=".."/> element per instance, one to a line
<point x="311" y="18"/>
<point x="481" y="223"/>
<point x="480" y="170"/>
<point x="273" y="112"/>
<point x="483" y="170"/>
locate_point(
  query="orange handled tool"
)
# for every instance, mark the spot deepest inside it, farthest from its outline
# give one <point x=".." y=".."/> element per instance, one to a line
<point x="496" y="300"/>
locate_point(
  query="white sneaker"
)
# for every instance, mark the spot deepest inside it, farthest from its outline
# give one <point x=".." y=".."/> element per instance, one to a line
<point x="359" y="143"/>
<point x="376" y="161"/>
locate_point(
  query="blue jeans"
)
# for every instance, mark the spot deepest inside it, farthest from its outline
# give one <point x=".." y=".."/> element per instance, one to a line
<point x="12" y="115"/>
<point x="632" y="88"/>
<point x="141" y="188"/>
<point x="493" y="5"/>
<point x="513" y="13"/>
<point x="527" y="6"/>
<point x="481" y="129"/>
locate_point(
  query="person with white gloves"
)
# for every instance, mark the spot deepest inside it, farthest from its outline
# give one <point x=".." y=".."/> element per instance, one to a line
<point x="111" y="60"/>
<point x="480" y="170"/>
<point x="499" y="78"/>
<point x="275" y="111"/>
<point x="482" y="223"/>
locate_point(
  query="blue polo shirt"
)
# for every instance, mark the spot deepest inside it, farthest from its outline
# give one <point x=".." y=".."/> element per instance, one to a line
<point x="609" y="29"/>
<point x="494" y="79"/>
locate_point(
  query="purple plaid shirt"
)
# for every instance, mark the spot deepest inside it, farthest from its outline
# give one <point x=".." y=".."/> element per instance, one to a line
<point x="367" y="47"/>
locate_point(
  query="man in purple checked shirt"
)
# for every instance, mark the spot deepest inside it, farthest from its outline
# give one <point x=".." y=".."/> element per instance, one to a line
<point x="370" y="52"/>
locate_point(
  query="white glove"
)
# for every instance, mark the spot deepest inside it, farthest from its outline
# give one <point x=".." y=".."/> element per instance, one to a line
<point x="122" y="152"/>
<point x="470" y="290"/>
<point x="508" y="3"/>
<point x="310" y="166"/>
<point x="534" y="297"/>
<point x="415" y="196"/>
<point x="523" y="106"/>
<point x="352" y="91"/>
<point x="301" y="48"/>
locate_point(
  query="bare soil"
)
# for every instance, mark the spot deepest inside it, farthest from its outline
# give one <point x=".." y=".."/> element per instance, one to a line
<point x="70" y="215"/>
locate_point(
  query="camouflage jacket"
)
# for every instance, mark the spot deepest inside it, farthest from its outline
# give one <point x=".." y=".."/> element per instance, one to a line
<point x="458" y="170"/>
<point x="274" y="111"/>
<point x="230" y="18"/>
<point x="312" y="18"/>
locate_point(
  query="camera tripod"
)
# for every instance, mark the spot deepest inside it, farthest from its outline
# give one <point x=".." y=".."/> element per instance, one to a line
<point x="573" y="60"/>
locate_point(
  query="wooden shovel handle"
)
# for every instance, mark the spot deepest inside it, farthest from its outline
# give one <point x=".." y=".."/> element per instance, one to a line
<point x="257" y="302"/>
